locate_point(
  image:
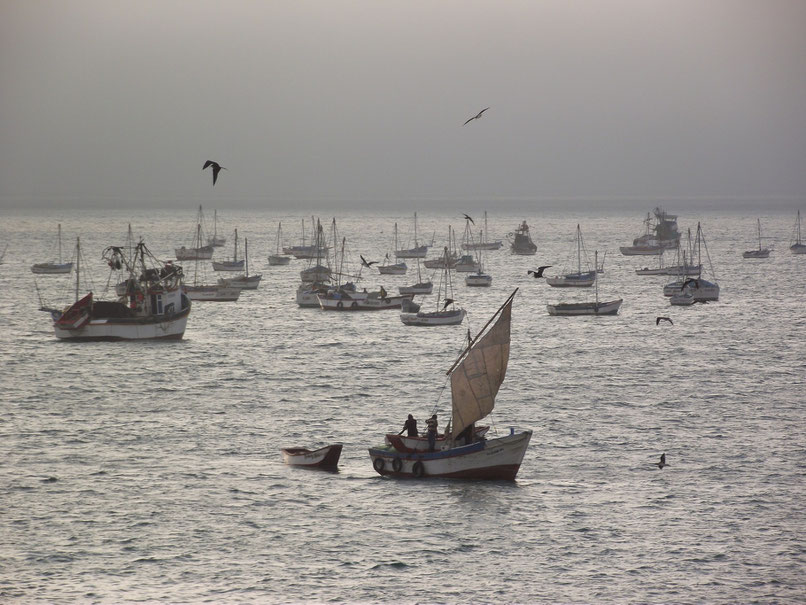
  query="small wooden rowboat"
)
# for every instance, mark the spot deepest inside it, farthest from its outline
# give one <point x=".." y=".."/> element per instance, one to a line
<point x="326" y="457"/>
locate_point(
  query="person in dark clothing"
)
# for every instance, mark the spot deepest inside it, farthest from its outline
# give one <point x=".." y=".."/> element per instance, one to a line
<point x="432" y="432"/>
<point x="411" y="426"/>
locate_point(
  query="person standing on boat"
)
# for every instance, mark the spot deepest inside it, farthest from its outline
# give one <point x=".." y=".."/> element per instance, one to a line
<point x="432" y="432"/>
<point x="411" y="426"/>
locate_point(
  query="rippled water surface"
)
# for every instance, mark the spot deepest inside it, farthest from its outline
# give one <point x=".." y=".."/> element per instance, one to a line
<point x="151" y="471"/>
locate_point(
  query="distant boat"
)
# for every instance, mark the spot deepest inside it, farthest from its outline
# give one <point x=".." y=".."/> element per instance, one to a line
<point x="578" y="278"/>
<point x="153" y="306"/>
<point x="660" y="234"/>
<point x="521" y="243"/>
<point x="390" y="268"/>
<point x="196" y="251"/>
<point x="700" y="288"/>
<point x="324" y="458"/>
<point x="475" y="377"/>
<point x="421" y="287"/>
<point x="761" y="252"/>
<point x="215" y="241"/>
<point x="596" y="307"/>
<point x="230" y="265"/>
<point x="479" y="278"/>
<point x="798" y="247"/>
<point x="446" y="313"/>
<point x="52" y="267"/>
<point x="245" y="281"/>
<point x="277" y="258"/>
<point x="484" y="243"/>
<point x="417" y="251"/>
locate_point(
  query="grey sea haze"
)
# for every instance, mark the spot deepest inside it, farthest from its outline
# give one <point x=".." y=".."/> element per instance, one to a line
<point x="145" y="472"/>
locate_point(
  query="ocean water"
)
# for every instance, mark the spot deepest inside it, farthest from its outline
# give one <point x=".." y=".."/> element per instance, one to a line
<point x="151" y="472"/>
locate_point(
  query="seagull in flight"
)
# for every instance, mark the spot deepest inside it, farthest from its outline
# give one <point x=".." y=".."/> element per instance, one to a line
<point x="216" y="169"/>
<point x="368" y="263"/>
<point x="467" y="218"/>
<point x="662" y="462"/>
<point x="447" y="302"/>
<point x="539" y="272"/>
<point x="477" y="116"/>
<point x="660" y="319"/>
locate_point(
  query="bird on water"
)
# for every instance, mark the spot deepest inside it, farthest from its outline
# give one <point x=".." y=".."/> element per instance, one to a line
<point x="539" y="272"/>
<point x="216" y="169"/>
<point x="477" y="116"/>
<point x="662" y="462"/>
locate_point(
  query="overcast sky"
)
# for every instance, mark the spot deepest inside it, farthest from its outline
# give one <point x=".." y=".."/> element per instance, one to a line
<point x="334" y="100"/>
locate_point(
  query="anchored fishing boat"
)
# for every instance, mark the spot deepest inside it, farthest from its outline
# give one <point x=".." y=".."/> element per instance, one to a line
<point x="326" y="458"/>
<point x="53" y="267"/>
<point x="475" y="379"/>
<point x="153" y="306"/>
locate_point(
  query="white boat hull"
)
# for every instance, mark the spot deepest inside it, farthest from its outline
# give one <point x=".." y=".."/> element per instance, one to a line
<point x="418" y="252"/>
<point x="242" y="282"/>
<point x="114" y="329"/>
<point x="763" y="253"/>
<point x="592" y="308"/>
<point x="203" y="253"/>
<point x="492" y="459"/>
<point x="479" y="280"/>
<point x="583" y="280"/>
<point x="423" y="288"/>
<point x="398" y="269"/>
<point x="228" y="265"/>
<point x="370" y="303"/>
<point x="438" y="318"/>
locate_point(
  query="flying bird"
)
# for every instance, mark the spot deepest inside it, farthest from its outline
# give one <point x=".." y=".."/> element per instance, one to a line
<point x="367" y="263"/>
<point x="467" y="218"/>
<point x="477" y="116"/>
<point x="447" y="302"/>
<point x="539" y="272"/>
<point x="216" y="169"/>
<point x="660" y="319"/>
<point x="662" y="462"/>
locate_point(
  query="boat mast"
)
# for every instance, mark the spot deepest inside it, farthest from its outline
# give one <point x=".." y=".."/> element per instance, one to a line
<point x="78" y="265"/>
<point x="596" y="279"/>
<point x="579" y="250"/>
<point x="759" y="234"/>
<point x="60" y="239"/>
<point x="415" y="230"/>
<point x="235" y="251"/>
<point x="245" y="253"/>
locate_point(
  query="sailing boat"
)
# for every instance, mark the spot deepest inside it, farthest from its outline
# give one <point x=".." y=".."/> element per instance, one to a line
<point x="230" y="265"/>
<point x="580" y="279"/>
<point x="153" y="306"/>
<point x="216" y="293"/>
<point x="53" y="268"/>
<point x="277" y="259"/>
<point x="521" y="242"/>
<point x="798" y="247"/>
<point x="418" y="251"/>
<point x="475" y="377"/>
<point x="389" y="268"/>
<point x="479" y="278"/>
<point x="216" y="241"/>
<point x="587" y="308"/>
<point x="196" y="251"/>
<point x="695" y="289"/>
<point x="421" y="287"/>
<point x="442" y="315"/>
<point x="245" y="281"/>
<point x="441" y="261"/>
<point x="761" y="252"/>
<point x="483" y="243"/>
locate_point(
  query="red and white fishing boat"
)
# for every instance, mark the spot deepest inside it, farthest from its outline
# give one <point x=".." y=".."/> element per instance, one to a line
<point x="153" y="305"/>
<point x="475" y="378"/>
<point x="325" y="457"/>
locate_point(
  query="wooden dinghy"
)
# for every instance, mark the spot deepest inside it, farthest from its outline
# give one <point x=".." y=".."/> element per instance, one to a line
<point x="325" y="457"/>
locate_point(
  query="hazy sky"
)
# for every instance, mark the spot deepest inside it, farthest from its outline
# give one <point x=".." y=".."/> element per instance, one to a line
<point x="111" y="101"/>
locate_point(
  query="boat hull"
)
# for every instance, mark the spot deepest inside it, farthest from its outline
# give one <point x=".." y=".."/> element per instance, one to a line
<point x="365" y="304"/>
<point x="763" y="253"/>
<point x="798" y="248"/>
<point x="325" y="458"/>
<point x="228" y="265"/>
<point x="583" y="280"/>
<point x="113" y="328"/>
<point x="423" y="288"/>
<point x="275" y="260"/>
<point x="486" y="459"/>
<point x="418" y="252"/>
<point x="51" y="268"/>
<point x="437" y="318"/>
<point x="203" y="253"/>
<point x="242" y="283"/>
<point x="479" y="280"/>
<point x="569" y="309"/>
<point x="641" y="250"/>
<point x="398" y="269"/>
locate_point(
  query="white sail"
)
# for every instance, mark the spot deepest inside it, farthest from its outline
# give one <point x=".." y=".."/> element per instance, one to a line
<point x="475" y="380"/>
